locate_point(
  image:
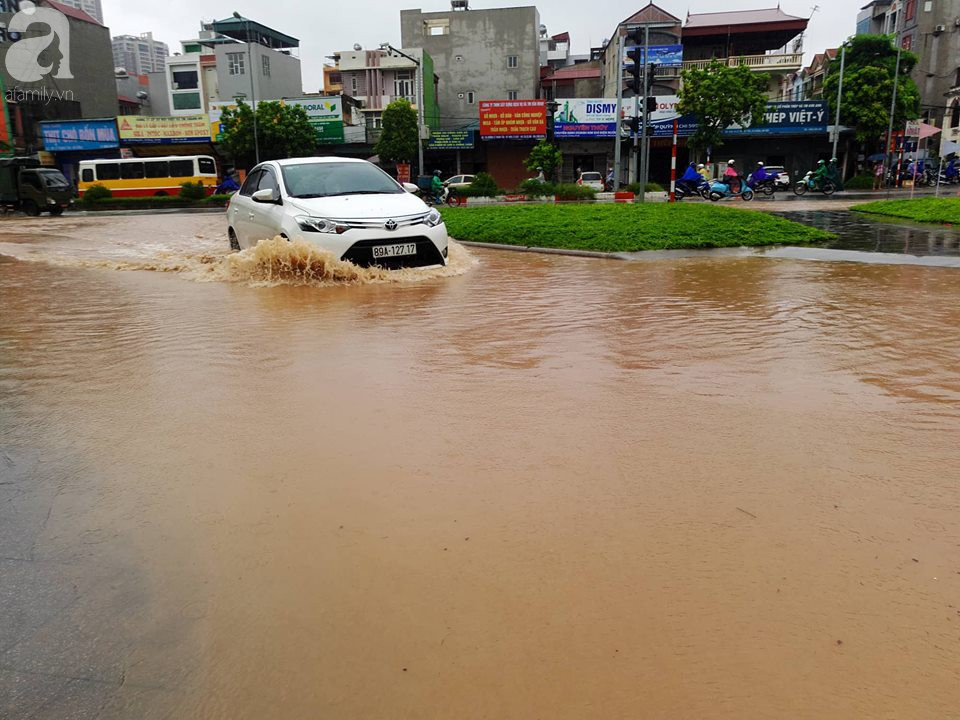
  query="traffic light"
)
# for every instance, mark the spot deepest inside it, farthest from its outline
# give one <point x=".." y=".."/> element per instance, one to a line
<point x="651" y="74"/>
<point x="651" y="105"/>
<point x="636" y="70"/>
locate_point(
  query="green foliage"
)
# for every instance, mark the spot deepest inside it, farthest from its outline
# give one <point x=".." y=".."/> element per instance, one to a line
<point x="152" y="203"/>
<point x="868" y="79"/>
<point x="284" y="131"/>
<point x="860" y="182"/>
<point x="193" y="191"/>
<point x="547" y="156"/>
<point x="928" y="210"/>
<point x="634" y="187"/>
<point x="534" y="188"/>
<point x="398" y="140"/>
<point x="721" y="96"/>
<point x="625" y="228"/>
<point x="97" y="193"/>
<point x="572" y="191"/>
<point x="483" y="185"/>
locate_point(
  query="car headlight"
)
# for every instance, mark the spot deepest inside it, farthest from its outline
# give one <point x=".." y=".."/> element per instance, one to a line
<point x="433" y="218"/>
<point x="320" y="225"/>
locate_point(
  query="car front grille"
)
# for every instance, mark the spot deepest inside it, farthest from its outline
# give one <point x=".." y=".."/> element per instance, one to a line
<point x="380" y="223"/>
<point x="361" y="253"/>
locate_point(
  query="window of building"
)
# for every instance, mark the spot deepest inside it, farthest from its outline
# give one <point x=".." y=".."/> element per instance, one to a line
<point x="911" y="9"/>
<point x="266" y="65"/>
<point x="236" y="64"/>
<point x="907" y="42"/>
<point x="437" y="27"/>
<point x="928" y="6"/>
<point x="353" y="85"/>
<point x="187" y="101"/>
<point x="185" y="80"/>
<point x="513" y="62"/>
<point x="512" y="94"/>
<point x="403" y="84"/>
<point x="955" y="120"/>
<point x="471" y="98"/>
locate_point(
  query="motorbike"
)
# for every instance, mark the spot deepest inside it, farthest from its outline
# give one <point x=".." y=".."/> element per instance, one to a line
<point x="720" y="190"/>
<point x="687" y="189"/>
<point x="824" y="185"/>
<point x="767" y="186"/>
<point x="446" y="197"/>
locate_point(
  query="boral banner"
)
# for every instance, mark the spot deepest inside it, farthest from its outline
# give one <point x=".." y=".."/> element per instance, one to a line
<point x="325" y="115"/>
<point x="157" y="130"/>
<point x="513" y="119"/>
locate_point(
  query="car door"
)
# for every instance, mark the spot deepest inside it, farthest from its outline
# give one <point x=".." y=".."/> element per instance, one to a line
<point x="241" y="210"/>
<point x="268" y="217"/>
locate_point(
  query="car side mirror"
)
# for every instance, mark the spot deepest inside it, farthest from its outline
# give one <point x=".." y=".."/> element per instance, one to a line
<point x="411" y="188"/>
<point x="266" y="196"/>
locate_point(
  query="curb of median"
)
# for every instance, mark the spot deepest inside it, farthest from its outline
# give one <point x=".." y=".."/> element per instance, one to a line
<point x="542" y="251"/>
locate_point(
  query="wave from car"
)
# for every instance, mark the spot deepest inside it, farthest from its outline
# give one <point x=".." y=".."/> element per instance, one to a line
<point x="348" y="207"/>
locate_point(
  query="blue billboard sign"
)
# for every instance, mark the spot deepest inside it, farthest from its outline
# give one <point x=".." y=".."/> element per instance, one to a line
<point x="670" y="56"/>
<point x="452" y="140"/>
<point x="73" y="135"/>
<point x="592" y="118"/>
<point x="788" y="118"/>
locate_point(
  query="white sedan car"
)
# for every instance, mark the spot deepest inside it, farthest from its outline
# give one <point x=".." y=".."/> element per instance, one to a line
<point x="591" y="180"/>
<point x="345" y="206"/>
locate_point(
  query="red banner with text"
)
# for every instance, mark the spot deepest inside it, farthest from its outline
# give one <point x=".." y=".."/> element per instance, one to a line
<point x="513" y="119"/>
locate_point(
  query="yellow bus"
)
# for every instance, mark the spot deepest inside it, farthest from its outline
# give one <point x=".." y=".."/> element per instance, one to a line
<point x="146" y="177"/>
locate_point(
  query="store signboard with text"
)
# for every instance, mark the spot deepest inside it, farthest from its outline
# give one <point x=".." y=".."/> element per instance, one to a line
<point x="145" y="129"/>
<point x="74" y="135"/>
<point x="513" y="119"/>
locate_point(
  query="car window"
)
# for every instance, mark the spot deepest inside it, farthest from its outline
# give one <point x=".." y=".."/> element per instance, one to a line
<point x="455" y="179"/>
<point x="108" y="171"/>
<point x="87" y="175"/>
<point x="268" y="181"/>
<point x="131" y="171"/>
<point x="207" y="166"/>
<point x="32" y="180"/>
<point x="591" y="176"/>
<point x="328" y="179"/>
<point x="54" y="179"/>
<point x="181" y="168"/>
<point x="469" y="178"/>
<point x="157" y="169"/>
<point x="250" y="184"/>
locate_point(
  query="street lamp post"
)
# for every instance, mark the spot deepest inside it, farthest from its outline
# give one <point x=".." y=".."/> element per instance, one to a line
<point x="836" y="122"/>
<point x="391" y="49"/>
<point x="893" y="100"/>
<point x="253" y="94"/>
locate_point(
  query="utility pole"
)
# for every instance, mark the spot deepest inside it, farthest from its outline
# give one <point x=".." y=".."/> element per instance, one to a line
<point x="893" y="101"/>
<point x="641" y="175"/>
<point x="617" y="140"/>
<point x="836" y="122"/>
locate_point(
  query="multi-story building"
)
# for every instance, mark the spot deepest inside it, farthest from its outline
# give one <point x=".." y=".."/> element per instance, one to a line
<point x="807" y="84"/>
<point x="877" y="18"/>
<point x="378" y="77"/>
<point x="478" y="55"/>
<point x="665" y="29"/>
<point x="233" y="58"/>
<point x="90" y="93"/>
<point x="332" y="80"/>
<point x="139" y="55"/>
<point x="93" y="8"/>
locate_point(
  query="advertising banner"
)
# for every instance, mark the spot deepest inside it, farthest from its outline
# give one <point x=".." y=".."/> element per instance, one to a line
<point x="452" y="140"/>
<point x="325" y="115"/>
<point x="661" y="120"/>
<point x="143" y="129"/>
<point x="6" y="136"/>
<point x="586" y="118"/>
<point x="71" y="135"/>
<point x="788" y="118"/>
<point x="513" y="119"/>
<point x="670" y="56"/>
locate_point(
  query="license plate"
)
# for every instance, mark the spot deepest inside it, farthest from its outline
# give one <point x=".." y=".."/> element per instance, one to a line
<point x="389" y="251"/>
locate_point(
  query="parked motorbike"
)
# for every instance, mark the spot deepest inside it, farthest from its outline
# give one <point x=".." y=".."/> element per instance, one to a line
<point x="691" y="189"/>
<point x="824" y="185"/>
<point x="720" y="190"/>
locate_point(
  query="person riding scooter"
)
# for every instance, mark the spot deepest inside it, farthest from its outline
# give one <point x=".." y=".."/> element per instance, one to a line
<point x="821" y="173"/>
<point x="951" y="172"/>
<point x="704" y="173"/>
<point x="731" y="176"/>
<point x="436" y="186"/>
<point x="691" y="179"/>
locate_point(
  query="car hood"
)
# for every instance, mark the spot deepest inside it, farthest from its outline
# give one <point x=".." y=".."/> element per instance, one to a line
<point x="355" y="207"/>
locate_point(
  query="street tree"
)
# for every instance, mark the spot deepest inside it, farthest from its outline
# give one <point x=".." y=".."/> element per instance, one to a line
<point x="868" y="78"/>
<point x="547" y="156"/>
<point x="720" y="96"/>
<point x="398" y="139"/>
<point x="283" y="131"/>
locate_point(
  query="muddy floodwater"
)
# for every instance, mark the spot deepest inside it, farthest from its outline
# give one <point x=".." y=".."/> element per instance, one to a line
<point x="526" y="486"/>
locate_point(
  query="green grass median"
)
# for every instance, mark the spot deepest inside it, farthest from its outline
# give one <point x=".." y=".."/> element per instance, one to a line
<point x="625" y="228"/>
<point x="926" y="210"/>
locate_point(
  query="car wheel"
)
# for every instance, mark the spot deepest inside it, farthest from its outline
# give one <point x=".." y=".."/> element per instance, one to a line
<point x="56" y="210"/>
<point x="715" y="196"/>
<point x="30" y="208"/>
<point x="800" y="188"/>
<point x="234" y="243"/>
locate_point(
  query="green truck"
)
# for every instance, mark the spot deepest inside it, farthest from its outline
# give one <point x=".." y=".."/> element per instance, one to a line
<point x="26" y="186"/>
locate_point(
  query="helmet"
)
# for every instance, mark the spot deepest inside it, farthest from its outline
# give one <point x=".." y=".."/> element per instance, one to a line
<point x="833" y="159"/>
<point x="820" y="162"/>
<point x="760" y="164"/>
<point x="437" y="173"/>
<point x="730" y="162"/>
<point x="539" y="168"/>
<point x="700" y="166"/>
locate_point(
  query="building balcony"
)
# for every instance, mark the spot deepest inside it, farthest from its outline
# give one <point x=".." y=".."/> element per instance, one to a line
<point x="777" y="62"/>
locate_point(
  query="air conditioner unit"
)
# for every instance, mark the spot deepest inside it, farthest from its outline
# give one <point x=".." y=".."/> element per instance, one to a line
<point x="939" y="29"/>
<point x="956" y="23"/>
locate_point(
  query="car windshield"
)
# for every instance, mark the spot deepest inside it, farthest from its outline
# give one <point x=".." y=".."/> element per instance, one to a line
<point x="54" y="179"/>
<point x="591" y="176"/>
<point x="329" y="179"/>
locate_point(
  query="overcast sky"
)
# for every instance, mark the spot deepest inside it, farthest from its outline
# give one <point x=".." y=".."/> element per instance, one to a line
<point x="324" y="27"/>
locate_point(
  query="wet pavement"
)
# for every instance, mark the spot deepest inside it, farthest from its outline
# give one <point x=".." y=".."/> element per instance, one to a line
<point x="528" y="486"/>
<point x="863" y="233"/>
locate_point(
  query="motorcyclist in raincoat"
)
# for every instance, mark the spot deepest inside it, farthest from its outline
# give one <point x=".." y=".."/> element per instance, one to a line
<point x="820" y="174"/>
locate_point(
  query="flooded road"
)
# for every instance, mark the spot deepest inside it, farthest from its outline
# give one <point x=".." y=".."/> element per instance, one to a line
<point x="528" y="486"/>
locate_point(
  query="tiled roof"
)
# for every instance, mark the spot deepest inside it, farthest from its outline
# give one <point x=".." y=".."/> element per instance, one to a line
<point x="75" y="13"/>
<point x="573" y="72"/>
<point x="738" y="17"/>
